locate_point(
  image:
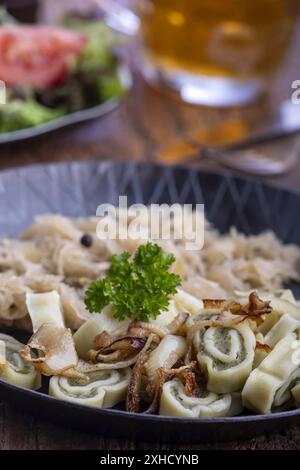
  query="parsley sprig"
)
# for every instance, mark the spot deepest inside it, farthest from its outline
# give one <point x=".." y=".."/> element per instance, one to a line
<point x="136" y="288"/>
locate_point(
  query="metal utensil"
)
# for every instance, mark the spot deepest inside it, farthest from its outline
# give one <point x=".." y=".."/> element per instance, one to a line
<point x="241" y="154"/>
<point x="255" y="161"/>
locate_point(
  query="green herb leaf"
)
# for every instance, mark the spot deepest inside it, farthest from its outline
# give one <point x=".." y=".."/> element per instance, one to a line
<point x="18" y="114"/>
<point x="137" y="288"/>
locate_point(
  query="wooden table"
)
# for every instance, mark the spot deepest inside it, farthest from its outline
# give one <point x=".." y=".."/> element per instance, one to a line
<point x="146" y="122"/>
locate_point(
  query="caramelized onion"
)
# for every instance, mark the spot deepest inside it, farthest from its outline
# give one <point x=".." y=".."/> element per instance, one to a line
<point x="177" y="323"/>
<point x="51" y="350"/>
<point x="263" y="347"/>
<point x="86" y="367"/>
<point x="102" y="340"/>
<point x="169" y="351"/>
<point x="147" y="328"/>
<point x="185" y="373"/>
<point x="143" y="328"/>
<point x="134" y="387"/>
<point x="217" y="303"/>
<point x="254" y="308"/>
<point x="119" y="349"/>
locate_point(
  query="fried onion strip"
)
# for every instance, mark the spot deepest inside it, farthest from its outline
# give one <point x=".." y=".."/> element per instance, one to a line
<point x="134" y="387"/>
<point x="86" y="367"/>
<point x="51" y="350"/>
<point x="167" y="374"/>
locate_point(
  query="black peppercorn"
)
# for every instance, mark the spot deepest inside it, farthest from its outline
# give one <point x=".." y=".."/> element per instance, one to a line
<point x="86" y="240"/>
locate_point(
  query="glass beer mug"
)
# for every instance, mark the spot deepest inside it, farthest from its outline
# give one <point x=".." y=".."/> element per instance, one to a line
<point x="211" y="52"/>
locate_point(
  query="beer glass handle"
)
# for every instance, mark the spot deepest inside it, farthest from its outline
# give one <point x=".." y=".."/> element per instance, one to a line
<point x="118" y="17"/>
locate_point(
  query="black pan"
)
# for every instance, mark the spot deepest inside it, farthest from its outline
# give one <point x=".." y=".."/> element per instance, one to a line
<point x="76" y="189"/>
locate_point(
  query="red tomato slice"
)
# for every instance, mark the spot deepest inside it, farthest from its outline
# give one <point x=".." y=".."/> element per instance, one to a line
<point x="37" y="56"/>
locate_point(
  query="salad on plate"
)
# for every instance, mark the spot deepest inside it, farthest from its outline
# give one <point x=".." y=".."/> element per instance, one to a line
<point x="50" y="71"/>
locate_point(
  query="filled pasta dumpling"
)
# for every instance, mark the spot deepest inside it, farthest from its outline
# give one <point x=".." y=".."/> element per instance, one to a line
<point x="105" y="388"/>
<point x="285" y="325"/>
<point x="13" y="368"/>
<point x="99" y="322"/>
<point x="226" y="356"/>
<point x="282" y="302"/>
<point x="175" y="402"/>
<point x="269" y="385"/>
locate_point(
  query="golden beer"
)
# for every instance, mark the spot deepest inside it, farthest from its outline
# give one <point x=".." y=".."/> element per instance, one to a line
<point x="238" y="39"/>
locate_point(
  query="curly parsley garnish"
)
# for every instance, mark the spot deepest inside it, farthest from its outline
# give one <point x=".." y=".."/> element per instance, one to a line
<point x="136" y="288"/>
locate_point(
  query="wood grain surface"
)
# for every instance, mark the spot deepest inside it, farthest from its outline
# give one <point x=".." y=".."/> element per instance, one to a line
<point x="144" y="124"/>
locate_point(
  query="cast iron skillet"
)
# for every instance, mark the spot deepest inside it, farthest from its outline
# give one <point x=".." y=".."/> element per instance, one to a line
<point x="76" y="189"/>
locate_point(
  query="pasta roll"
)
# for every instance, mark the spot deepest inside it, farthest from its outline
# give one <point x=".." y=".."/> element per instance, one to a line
<point x="287" y="294"/>
<point x="175" y="402"/>
<point x="269" y="385"/>
<point x="104" y="321"/>
<point x="270" y="320"/>
<point x="170" y="349"/>
<point x="44" y="308"/>
<point x="283" y="306"/>
<point x="226" y="355"/>
<point x="13" y="368"/>
<point x="167" y="316"/>
<point x="181" y="302"/>
<point x="296" y="393"/>
<point x="285" y="325"/>
<point x="105" y="389"/>
<point x="187" y="302"/>
<point x="259" y="356"/>
<point x="260" y="352"/>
